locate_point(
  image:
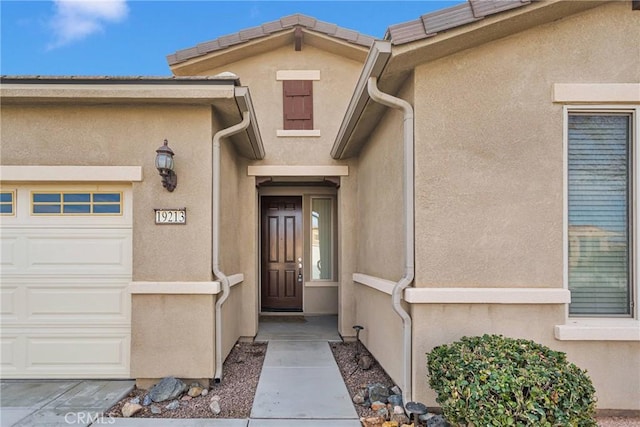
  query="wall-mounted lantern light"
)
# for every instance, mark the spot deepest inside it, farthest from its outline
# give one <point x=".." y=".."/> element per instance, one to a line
<point x="164" y="164"/>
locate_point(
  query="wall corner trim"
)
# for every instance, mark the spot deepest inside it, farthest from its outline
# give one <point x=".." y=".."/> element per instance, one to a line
<point x="598" y="330"/>
<point x="71" y="173"/>
<point x="176" y="288"/>
<point x="487" y="296"/>
<point x="290" y="170"/>
<point x="298" y="75"/>
<point x="596" y="93"/>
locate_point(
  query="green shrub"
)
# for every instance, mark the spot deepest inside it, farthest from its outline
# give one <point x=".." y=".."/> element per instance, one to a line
<point x="497" y="381"/>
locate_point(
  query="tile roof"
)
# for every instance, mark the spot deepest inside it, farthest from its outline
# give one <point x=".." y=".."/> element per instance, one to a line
<point x="432" y="23"/>
<point x="267" y="29"/>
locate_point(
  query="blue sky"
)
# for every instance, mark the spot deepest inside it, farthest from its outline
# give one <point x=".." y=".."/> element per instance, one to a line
<point x="133" y="37"/>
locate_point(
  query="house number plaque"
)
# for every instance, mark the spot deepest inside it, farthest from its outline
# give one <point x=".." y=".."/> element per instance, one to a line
<point x="171" y="216"/>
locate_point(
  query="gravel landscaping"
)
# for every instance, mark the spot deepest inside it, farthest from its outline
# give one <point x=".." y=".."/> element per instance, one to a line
<point x="242" y="372"/>
<point x="236" y="391"/>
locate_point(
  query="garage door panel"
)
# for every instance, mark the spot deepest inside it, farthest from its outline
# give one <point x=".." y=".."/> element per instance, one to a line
<point x="76" y="254"/>
<point x="88" y="304"/>
<point x="66" y="353"/>
<point x="9" y="253"/>
<point x="9" y="303"/>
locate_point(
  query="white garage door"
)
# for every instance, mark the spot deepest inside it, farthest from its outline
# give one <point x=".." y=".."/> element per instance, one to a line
<point x="66" y="264"/>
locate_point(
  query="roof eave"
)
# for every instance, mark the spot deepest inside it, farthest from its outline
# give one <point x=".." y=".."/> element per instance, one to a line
<point x="255" y="148"/>
<point x="374" y="65"/>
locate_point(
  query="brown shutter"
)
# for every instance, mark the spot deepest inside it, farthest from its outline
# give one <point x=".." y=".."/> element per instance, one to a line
<point x="298" y="104"/>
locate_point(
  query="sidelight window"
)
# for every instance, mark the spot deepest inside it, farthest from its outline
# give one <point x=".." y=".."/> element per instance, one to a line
<point x="322" y="239"/>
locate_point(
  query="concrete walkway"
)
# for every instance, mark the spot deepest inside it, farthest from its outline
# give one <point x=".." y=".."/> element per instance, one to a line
<point x="300" y="385"/>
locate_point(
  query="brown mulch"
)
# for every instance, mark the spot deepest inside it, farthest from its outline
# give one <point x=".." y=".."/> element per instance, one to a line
<point x="241" y="372"/>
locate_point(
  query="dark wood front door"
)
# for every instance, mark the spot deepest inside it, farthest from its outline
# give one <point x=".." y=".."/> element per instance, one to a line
<point x="282" y="281"/>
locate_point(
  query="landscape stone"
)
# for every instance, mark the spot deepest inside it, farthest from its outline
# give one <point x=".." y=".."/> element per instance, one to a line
<point x="365" y="362"/>
<point x="395" y="400"/>
<point x="390" y="424"/>
<point x="398" y="410"/>
<point x="437" y="421"/>
<point x="215" y="407"/>
<point x="195" y="390"/>
<point x="186" y="397"/>
<point x="383" y="412"/>
<point x="135" y="400"/>
<point x="377" y="405"/>
<point x="395" y="390"/>
<point x="204" y="392"/>
<point x="378" y="392"/>
<point x="400" y="418"/>
<point x="372" y="421"/>
<point x="173" y="405"/>
<point x="167" y="389"/>
<point x="155" y="409"/>
<point x="147" y="400"/>
<point x="358" y="399"/>
<point x="130" y="409"/>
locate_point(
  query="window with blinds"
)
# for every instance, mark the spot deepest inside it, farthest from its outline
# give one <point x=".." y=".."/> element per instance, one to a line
<point x="599" y="191"/>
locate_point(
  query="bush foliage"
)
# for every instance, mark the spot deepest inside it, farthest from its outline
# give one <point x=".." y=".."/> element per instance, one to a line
<point x="497" y="381"/>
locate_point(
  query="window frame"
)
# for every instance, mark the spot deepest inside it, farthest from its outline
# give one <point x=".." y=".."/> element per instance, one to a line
<point x="333" y="277"/>
<point x="91" y="203"/>
<point x="634" y="224"/>
<point x="12" y="203"/>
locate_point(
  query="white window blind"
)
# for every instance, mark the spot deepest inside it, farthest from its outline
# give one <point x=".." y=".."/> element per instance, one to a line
<point x="599" y="214"/>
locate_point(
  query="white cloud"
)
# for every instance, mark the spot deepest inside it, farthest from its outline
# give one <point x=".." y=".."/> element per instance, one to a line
<point x="76" y="19"/>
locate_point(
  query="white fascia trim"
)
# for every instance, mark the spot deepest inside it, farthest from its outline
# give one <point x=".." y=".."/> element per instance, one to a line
<point x="176" y="288"/>
<point x="596" y="92"/>
<point x="381" y="285"/>
<point x="285" y="170"/>
<point x="298" y="75"/>
<point x="487" y="296"/>
<point x="598" y="330"/>
<point x="298" y="133"/>
<point x="71" y="173"/>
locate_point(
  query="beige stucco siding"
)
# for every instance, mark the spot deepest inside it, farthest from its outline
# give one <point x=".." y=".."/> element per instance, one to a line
<point x="331" y="94"/>
<point x="129" y="135"/>
<point x="489" y="156"/>
<point x="489" y="186"/>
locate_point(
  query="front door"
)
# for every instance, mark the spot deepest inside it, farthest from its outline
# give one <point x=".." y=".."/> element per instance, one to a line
<point x="282" y="274"/>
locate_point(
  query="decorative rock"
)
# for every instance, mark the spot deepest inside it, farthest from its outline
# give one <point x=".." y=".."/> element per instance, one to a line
<point x="130" y="409"/>
<point x="395" y="390"/>
<point x="215" y="397"/>
<point x="398" y="410"/>
<point x="437" y="421"/>
<point x="173" y="405"/>
<point x="400" y="418"/>
<point x="378" y="392"/>
<point x="390" y="424"/>
<point x="372" y="422"/>
<point x="215" y="407"/>
<point x="167" y="389"/>
<point x="135" y="400"/>
<point x="147" y="400"/>
<point x="204" y="392"/>
<point x="195" y="391"/>
<point x="358" y="399"/>
<point x="377" y="405"/>
<point x="395" y="400"/>
<point x="155" y="409"/>
<point x="365" y="362"/>
<point x="186" y="397"/>
<point x="383" y="412"/>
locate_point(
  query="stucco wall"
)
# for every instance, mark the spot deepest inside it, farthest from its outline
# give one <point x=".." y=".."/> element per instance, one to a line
<point x="338" y="76"/>
<point x="489" y="185"/>
<point x="489" y="156"/>
<point x="99" y="135"/>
